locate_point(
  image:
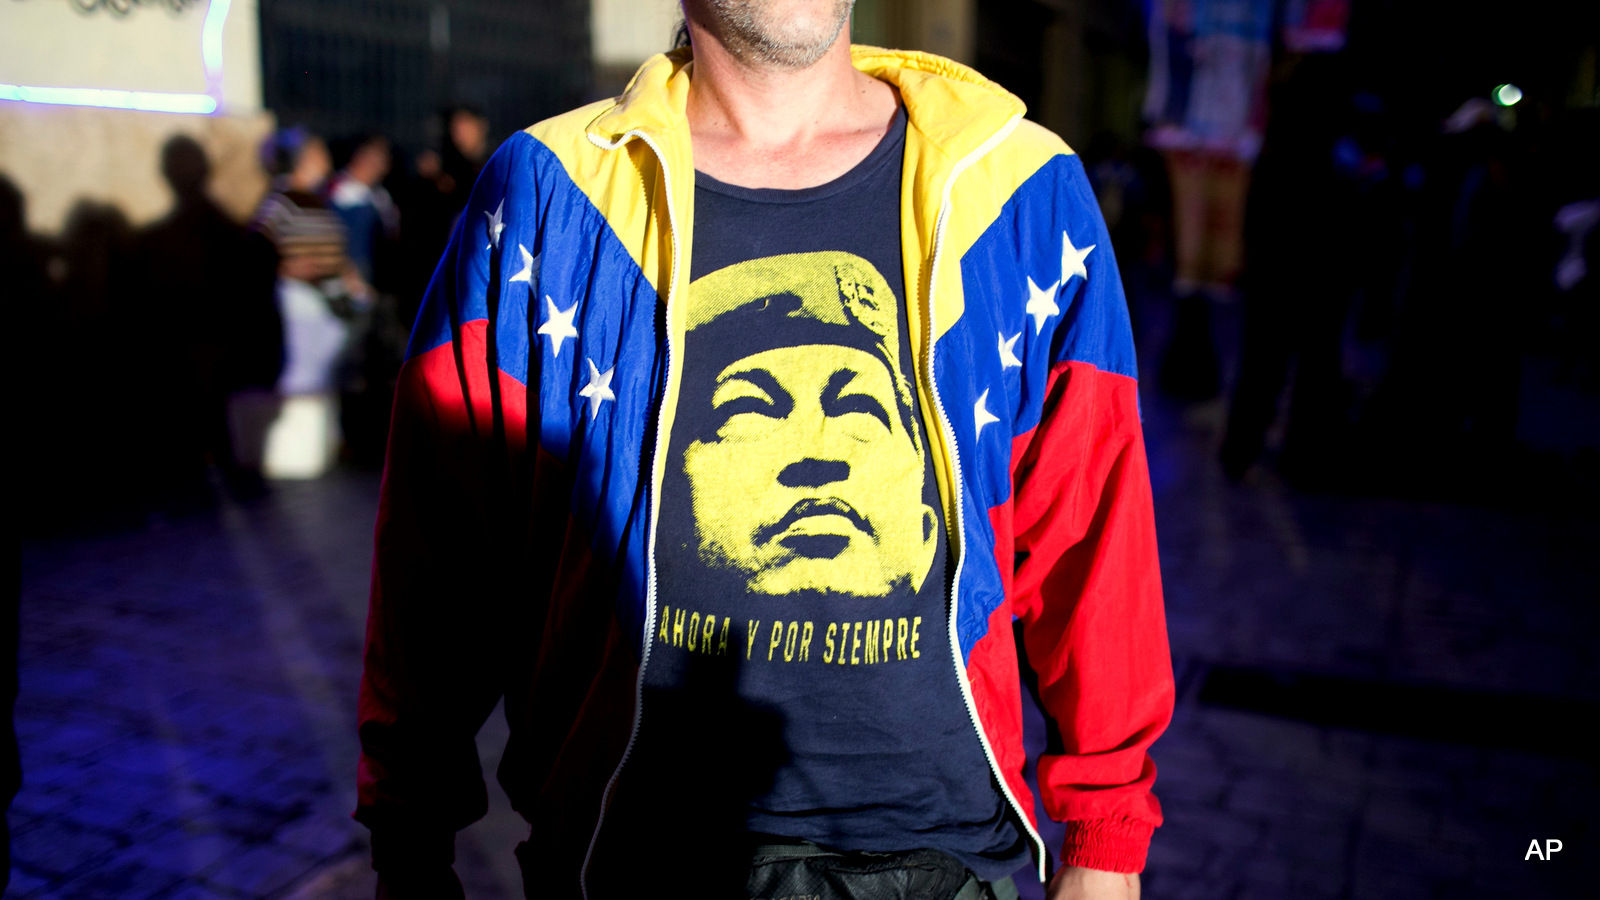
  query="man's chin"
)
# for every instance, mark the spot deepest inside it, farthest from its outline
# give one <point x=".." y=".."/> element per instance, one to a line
<point x="825" y="577"/>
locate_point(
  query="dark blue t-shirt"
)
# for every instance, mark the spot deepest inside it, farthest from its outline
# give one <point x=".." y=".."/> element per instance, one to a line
<point x="801" y="661"/>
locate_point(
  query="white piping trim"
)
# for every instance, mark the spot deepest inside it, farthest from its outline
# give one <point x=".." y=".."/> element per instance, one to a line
<point x="955" y="470"/>
<point x="655" y="501"/>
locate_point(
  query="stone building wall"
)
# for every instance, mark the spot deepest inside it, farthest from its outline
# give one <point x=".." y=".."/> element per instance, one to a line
<point x="59" y="155"/>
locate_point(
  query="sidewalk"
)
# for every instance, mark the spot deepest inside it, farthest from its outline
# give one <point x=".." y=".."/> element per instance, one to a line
<point x="1467" y="636"/>
<point x="187" y="709"/>
<point x="188" y="699"/>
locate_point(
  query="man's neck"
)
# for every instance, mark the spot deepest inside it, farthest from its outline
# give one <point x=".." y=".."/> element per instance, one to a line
<point x="765" y="126"/>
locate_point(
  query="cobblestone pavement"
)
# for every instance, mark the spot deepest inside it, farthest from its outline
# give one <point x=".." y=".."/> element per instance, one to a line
<point x="188" y="699"/>
<point x="187" y="708"/>
<point x="1470" y="635"/>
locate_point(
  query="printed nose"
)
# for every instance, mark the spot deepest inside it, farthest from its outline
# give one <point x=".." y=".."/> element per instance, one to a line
<point x="813" y="473"/>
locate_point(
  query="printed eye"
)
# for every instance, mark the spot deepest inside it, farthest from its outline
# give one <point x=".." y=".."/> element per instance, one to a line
<point x="837" y="403"/>
<point x="754" y="391"/>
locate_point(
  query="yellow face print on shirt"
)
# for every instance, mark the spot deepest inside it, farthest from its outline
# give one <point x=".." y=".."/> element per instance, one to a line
<point x="805" y="465"/>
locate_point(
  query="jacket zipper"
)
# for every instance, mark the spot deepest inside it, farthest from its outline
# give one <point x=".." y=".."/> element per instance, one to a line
<point x="955" y="470"/>
<point x="650" y="550"/>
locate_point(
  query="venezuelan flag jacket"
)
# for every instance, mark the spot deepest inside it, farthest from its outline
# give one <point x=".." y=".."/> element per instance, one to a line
<point x="514" y="541"/>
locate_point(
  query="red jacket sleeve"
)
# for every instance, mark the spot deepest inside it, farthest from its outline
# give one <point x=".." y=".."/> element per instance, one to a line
<point x="1088" y="593"/>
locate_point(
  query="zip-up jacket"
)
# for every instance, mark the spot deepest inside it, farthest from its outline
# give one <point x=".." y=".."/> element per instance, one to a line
<point x="516" y="534"/>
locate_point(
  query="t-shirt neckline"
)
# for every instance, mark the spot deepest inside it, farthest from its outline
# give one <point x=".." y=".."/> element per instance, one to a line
<point x="886" y="149"/>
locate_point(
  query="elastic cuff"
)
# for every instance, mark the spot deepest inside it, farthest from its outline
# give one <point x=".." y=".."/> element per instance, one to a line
<point x="1111" y="845"/>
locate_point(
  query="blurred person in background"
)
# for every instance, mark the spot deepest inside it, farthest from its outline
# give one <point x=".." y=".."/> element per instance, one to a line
<point x="319" y="288"/>
<point x="211" y="325"/>
<point x="466" y="149"/>
<point x="357" y="194"/>
<point x="782" y="193"/>
<point x="1299" y="271"/>
<point x="1130" y="181"/>
<point x="322" y="297"/>
<point x="22" y="257"/>
<point x="431" y="200"/>
<point x="1445" y="415"/>
<point x="94" y="314"/>
<point x="372" y="358"/>
<point x="22" y="260"/>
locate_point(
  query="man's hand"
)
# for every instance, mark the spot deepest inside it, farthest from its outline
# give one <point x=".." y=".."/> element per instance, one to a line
<point x="1074" y="883"/>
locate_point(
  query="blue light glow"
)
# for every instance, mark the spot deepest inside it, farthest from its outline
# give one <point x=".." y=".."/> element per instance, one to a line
<point x="145" y="101"/>
<point x="211" y="37"/>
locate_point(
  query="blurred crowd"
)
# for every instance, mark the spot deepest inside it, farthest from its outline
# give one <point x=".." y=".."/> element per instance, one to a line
<point x="1415" y="303"/>
<point x="198" y="354"/>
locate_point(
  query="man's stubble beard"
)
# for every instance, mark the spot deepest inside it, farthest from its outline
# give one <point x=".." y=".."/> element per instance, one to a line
<point x="756" y="33"/>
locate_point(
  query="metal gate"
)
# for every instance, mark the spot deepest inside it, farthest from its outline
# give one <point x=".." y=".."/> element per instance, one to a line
<point x="340" y="66"/>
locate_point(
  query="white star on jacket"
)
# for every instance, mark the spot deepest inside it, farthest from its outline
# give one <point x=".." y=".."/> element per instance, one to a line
<point x="558" y="324"/>
<point x="1008" y="351"/>
<point x="598" y="390"/>
<point x="1041" y="303"/>
<point x="980" y="413"/>
<point x="529" y="264"/>
<point x="497" y="223"/>
<point x="1072" y="260"/>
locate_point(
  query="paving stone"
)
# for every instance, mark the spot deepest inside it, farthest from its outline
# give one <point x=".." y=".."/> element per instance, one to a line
<point x="1187" y="787"/>
<point x="1310" y="843"/>
<point x="1196" y="889"/>
<point x="1322" y="882"/>
<point x="200" y="891"/>
<point x="321" y="834"/>
<point x="56" y="847"/>
<point x="73" y="741"/>
<point x="110" y="814"/>
<point x="1216" y="827"/>
<point x="26" y="883"/>
<point x="144" y="758"/>
<point x="260" y="870"/>
<point x="351" y="878"/>
<point x="36" y="802"/>
<point x="1179" y="852"/>
<point x="249" y="818"/>
<point x="1395" y="816"/>
<point x="1260" y="795"/>
<point x="185" y="852"/>
<point x="1387" y="885"/>
<point x="119" y="879"/>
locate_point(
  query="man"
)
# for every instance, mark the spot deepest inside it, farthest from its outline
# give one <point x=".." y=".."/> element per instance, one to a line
<point x="357" y="194"/>
<point x="745" y="415"/>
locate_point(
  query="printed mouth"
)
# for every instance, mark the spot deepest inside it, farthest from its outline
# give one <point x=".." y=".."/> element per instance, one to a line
<point x="813" y="545"/>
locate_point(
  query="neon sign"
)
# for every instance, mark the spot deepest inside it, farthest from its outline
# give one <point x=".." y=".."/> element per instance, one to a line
<point x="148" y="101"/>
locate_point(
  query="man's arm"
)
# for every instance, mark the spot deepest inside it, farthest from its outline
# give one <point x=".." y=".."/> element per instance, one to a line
<point x="445" y="597"/>
<point x="1087" y="580"/>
